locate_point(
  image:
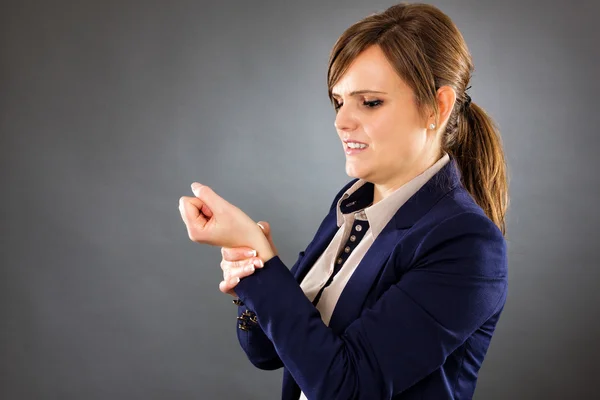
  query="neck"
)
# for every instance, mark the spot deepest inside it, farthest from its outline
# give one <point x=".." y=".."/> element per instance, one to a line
<point x="384" y="189"/>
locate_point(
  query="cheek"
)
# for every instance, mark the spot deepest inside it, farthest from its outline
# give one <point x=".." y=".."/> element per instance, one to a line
<point x="396" y="134"/>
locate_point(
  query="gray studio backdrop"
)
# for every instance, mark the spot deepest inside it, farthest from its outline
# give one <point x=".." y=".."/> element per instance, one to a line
<point x="110" y="109"/>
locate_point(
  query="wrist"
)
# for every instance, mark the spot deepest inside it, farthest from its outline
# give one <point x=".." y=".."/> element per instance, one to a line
<point x="263" y="248"/>
<point x="264" y="251"/>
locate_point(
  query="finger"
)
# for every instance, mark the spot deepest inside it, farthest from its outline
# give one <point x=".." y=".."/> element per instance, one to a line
<point x="227" y="288"/>
<point x="237" y="253"/>
<point x="228" y="266"/>
<point x="206" y="211"/>
<point x="225" y="267"/>
<point x="195" y="222"/>
<point x="241" y="272"/>
<point x="201" y="206"/>
<point x="208" y="196"/>
<point x="240" y="268"/>
<point x="266" y="227"/>
<point x="190" y="207"/>
<point x="232" y="276"/>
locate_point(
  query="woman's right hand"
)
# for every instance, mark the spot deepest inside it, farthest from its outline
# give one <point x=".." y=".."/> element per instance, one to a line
<point x="239" y="262"/>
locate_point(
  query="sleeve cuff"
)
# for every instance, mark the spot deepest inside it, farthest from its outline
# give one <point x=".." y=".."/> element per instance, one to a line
<point x="272" y="283"/>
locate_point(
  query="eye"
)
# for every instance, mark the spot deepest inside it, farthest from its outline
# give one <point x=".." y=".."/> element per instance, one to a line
<point x="370" y="104"/>
<point x="373" y="103"/>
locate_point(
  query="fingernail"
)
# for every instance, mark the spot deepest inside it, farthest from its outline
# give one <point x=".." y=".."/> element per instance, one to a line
<point x="251" y="253"/>
<point x="261" y="227"/>
<point x="234" y="281"/>
<point x="195" y="186"/>
<point x="249" y="268"/>
<point x="258" y="262"/>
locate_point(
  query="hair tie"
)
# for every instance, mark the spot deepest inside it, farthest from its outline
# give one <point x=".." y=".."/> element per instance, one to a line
<point x="467" y="102"/>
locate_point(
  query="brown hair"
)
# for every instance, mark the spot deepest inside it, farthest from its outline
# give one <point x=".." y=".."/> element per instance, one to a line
<point x="428" y="52"/>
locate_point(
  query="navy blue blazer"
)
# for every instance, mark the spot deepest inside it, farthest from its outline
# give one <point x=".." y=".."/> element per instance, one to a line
<point x="415" y="319"/>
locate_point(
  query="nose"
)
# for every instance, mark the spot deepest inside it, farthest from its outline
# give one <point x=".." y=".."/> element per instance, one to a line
<point x="345" y="121"/>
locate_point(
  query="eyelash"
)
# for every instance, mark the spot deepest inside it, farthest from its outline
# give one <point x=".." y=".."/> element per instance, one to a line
<point x="369" y="104"/>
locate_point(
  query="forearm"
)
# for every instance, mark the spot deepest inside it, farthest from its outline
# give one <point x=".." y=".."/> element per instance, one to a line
<point x="253" y="340"/>
<point x="257" y="346"/>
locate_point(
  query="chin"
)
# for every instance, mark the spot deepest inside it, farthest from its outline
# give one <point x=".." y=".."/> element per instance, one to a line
<point x="353" y="172"/>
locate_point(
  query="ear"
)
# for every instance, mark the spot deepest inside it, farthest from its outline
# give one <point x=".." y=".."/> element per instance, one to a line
<point x="445" y="97"/>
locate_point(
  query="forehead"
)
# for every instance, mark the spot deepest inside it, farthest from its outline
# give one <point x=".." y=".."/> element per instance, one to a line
<point x="370" y="70"/>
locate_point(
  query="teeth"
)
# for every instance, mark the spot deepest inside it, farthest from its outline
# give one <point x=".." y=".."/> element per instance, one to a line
<point x="353" y="145"/>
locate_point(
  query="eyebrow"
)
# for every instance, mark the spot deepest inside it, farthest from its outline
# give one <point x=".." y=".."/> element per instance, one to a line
<point x="356" y="92"/>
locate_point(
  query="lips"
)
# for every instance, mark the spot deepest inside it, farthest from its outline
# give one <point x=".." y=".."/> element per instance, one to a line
<point x="346" y="141"/>
<point x="357" y="147"/>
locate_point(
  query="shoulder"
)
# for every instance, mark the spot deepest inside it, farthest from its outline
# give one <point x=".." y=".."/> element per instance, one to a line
<point x="458" y="209"/>
<point x="458" y="230"/>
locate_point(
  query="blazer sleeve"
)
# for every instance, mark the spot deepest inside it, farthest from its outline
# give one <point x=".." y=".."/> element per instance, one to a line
<point x="258" y="347"/>
<point x="457" y="280"/>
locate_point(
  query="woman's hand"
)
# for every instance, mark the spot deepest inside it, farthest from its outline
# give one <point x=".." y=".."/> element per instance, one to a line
<point x="240" y="262"/>
<point x="211" y="220"/>
<point x="237" y="263"/>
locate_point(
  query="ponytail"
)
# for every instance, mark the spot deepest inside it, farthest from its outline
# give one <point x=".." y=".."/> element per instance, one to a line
<point x="477" y="148"/>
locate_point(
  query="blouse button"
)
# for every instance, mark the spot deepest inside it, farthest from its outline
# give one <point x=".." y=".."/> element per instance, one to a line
<point x="339" y="260"/>
<point x="352" y="238"/>
<point x="347" y="249"/>
<point x="358" y="228"/>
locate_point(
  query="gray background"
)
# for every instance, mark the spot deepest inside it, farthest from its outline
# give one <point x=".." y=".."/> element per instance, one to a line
<point x="110" y="109"/>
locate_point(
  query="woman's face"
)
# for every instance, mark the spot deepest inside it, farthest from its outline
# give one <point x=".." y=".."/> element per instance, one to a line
<point x="385" y="139"/>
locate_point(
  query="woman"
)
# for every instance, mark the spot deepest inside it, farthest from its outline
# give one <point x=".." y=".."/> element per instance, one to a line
<point x="399" y="292"/>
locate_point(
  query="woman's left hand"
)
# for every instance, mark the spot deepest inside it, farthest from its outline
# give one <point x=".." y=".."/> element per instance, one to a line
<point x="237" y="263"/>
<point x="210" y="219"/>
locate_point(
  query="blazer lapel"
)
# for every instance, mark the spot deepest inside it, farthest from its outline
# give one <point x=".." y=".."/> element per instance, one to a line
<point x="350" y="303"/>
<point x="323" y="236"/>
<point x="352" y="298"/>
